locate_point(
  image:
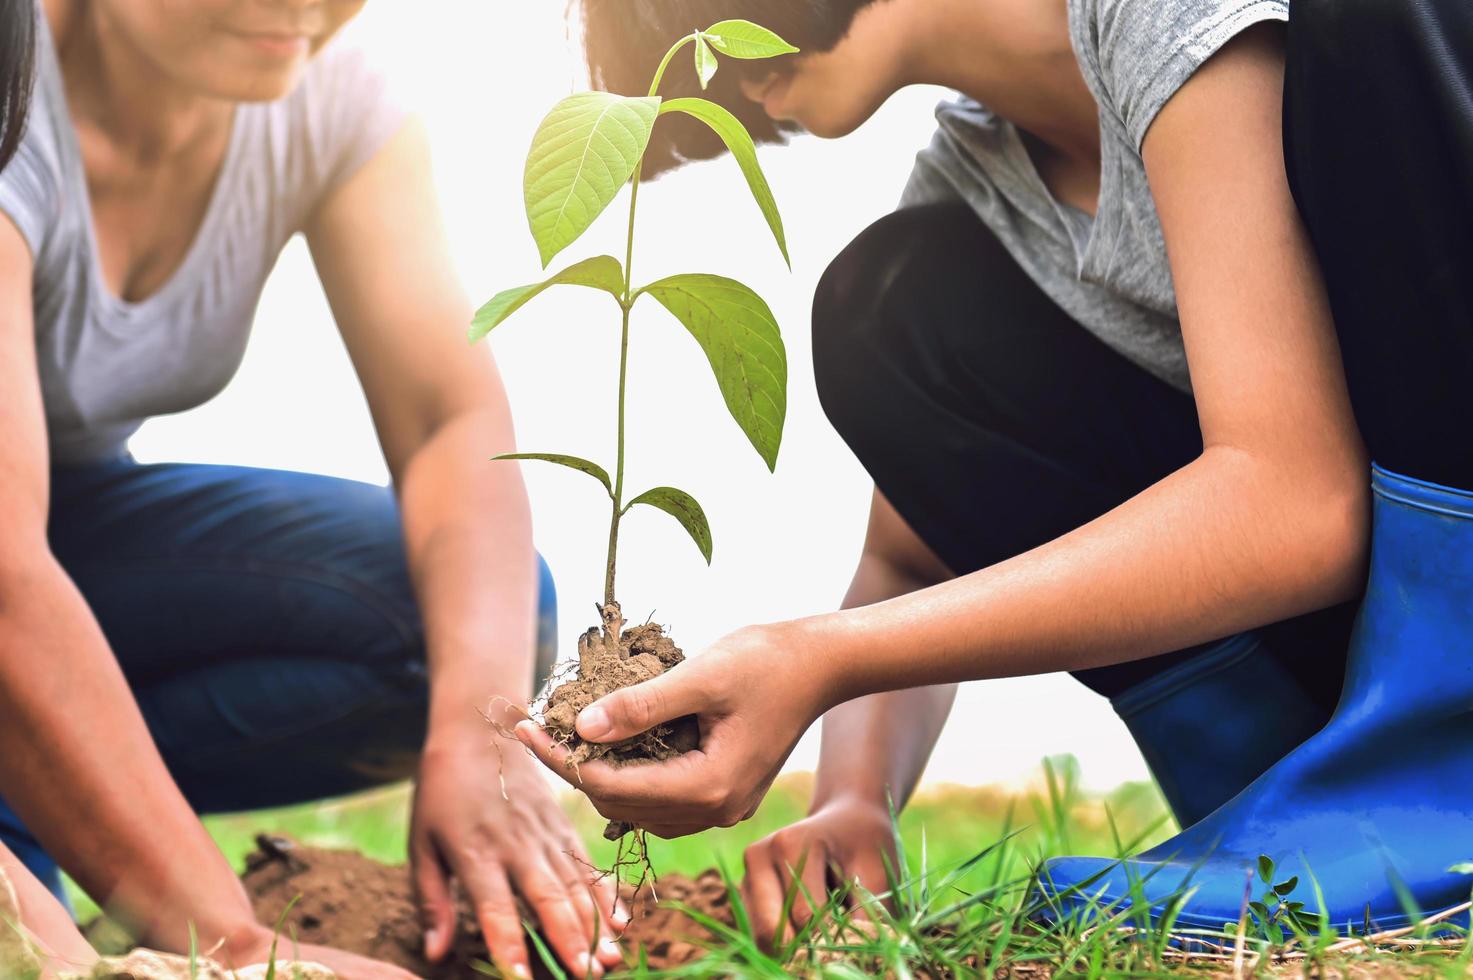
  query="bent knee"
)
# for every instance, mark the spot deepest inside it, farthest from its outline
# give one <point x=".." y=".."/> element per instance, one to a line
<point x="862" y="305"/>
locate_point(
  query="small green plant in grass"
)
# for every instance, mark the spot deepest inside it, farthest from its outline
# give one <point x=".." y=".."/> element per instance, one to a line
<point x="1277" y="913"/>
<point x="586" y="149"/>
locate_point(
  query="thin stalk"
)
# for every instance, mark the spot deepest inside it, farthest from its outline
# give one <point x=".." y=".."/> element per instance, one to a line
<point x="626" y="301"/>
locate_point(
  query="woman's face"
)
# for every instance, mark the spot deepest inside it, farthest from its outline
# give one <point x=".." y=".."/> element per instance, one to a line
<point x="239" y="50"/>
<point x="830" y="93"/>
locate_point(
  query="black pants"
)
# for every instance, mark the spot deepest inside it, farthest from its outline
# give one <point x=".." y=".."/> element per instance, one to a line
<point x="1378" y="139"/>
<point x="995" y="423"/>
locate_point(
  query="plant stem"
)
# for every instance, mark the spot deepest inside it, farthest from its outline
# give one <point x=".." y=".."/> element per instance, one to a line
<point x="618" y="510"/>
<point x="626" y="302"/>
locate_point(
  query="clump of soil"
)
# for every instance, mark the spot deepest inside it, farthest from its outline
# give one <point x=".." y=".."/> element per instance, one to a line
<point x="354" y="903"/>
<point x="611" y="657"/>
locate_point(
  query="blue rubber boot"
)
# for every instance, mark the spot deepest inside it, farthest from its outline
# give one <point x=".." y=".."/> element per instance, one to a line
<point x="1379" y="799"/>
<point x="1209" y="726"/>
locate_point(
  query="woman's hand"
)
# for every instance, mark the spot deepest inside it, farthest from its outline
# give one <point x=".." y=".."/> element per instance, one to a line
<point x="754" y="694"/>
<point x="256" y="947"/>
<point x="498" y="846"/>
<point x="848" y="841"/>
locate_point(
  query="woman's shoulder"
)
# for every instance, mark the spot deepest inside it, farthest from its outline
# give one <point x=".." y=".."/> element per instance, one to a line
<point x="1135" y="54"/>
<point x="339" y="114"/>
<point x="33" y="186"/>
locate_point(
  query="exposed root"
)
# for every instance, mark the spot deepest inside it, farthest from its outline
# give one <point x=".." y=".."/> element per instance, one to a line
<point x="610" y="657"/>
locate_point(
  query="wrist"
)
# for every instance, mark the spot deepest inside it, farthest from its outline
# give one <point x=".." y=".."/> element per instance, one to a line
<point x="854" y="799"/>
<point x="470" y="694"/>
<point x="816" y="649"/>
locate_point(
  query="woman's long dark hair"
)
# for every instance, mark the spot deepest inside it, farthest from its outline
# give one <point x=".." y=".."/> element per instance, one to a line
<point x="624" y="40"/>
<point x="17" y="71"/>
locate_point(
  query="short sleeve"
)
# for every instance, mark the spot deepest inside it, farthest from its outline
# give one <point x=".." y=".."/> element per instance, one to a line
<point x="348" y="111"/>
<point x="1141" y="51"/>
<point x="929" y="181"/>
<point x="30" y="191"/>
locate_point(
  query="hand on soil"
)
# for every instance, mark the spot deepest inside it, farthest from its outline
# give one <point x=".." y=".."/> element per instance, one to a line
<point x="842" y="841"/>
<point x="753" y="699"/>
<point x="497" y="846"/>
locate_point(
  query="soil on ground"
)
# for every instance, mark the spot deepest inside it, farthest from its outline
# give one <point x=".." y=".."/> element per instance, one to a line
<point x="611" y="657"/>
<point x="354" y="903"/>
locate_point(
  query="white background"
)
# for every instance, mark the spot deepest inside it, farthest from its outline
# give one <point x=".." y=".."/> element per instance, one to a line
<point x="482" y="73"/>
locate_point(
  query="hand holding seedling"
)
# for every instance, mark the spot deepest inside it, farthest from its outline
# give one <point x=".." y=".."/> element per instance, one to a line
<point x="753" y="697"/>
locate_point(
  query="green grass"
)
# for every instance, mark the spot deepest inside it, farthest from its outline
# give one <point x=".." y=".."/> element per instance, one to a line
<point x="961" y="900"/>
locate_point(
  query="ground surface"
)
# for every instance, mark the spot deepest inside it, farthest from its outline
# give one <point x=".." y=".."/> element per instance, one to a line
<point x="958" y="907"/>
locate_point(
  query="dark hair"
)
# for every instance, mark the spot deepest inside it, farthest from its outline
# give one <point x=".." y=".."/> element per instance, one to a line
<point x="17" y="69"/>
<point x="624" y="40"/>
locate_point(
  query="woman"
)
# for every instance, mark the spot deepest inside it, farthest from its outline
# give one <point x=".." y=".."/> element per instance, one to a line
<point x="189" y="638"/>
<point x="1092" y="368"/>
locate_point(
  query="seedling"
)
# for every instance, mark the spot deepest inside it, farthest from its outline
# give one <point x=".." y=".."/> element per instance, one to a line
<point x="588" y="147"/>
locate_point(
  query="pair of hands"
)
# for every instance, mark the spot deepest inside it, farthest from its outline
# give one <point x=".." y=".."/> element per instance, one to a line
<point x="754" y="697"/>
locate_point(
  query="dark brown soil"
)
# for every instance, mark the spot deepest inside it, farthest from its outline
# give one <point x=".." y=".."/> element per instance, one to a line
<point x="354" y="903"/>
<point x="611" y="657"/>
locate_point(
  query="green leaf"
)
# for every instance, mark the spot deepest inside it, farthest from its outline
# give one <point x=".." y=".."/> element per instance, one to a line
<point x="683" y="507"/>
<point x="572" y="462"/>
<point x="746" y="40"/>
<point x="1285" y="887"/>
<point x="1461" y="868"/>
<point x="600" y="272"/>
<point x="1266" y="868"/>
<point x="741" y="340"/>
<point x="585" y="150"/>
<point x="739" y="142"/>
<point x="705" y="62"/>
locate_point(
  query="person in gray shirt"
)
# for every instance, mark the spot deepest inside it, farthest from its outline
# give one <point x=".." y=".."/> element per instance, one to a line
<point x="1091" y="368"/>
<point x="182" y="638"/>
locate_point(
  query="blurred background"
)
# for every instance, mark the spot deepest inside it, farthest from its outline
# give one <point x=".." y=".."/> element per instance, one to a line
<point x="482" y="73"/>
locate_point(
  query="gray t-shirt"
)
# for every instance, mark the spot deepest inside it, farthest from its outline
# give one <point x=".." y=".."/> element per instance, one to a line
<point x="1109" y="272"/>
<point x="105" y="365"/>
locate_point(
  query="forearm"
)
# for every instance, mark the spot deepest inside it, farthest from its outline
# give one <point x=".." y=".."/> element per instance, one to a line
<point x="1226" y="543"/>
<point x="875" y="748"/>
<point x="468" y="530"/>
<point x="79" y="766"/>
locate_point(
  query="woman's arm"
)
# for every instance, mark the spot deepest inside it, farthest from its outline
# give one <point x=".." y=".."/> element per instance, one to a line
<point x="76" y="759"/>
<point x="441" y="414"/>
<point x="1269" y="522"/>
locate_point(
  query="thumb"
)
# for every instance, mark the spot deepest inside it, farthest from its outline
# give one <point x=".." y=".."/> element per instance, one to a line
<point x="432" y="886"/>
<point x="640" y="707"/>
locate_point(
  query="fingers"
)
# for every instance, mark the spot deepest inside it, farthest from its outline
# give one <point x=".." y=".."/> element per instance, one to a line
<point x="812" y="884"/>
<point x="641" y="790"/>
<point x="786" y="883"/>
<point x="869" y="871"/>
<point x="567" y="932"/>
<point x="603" y="887"/>
<point x="762" y="890"/>
<point x="432" y="888"/>
<point x="631" y="710"/>
<point x="496" y="914"/>
<point x="596" y="929"/>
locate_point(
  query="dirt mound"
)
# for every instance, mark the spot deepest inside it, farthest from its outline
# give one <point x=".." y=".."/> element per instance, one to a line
<point x="354" y="903"/>
<point x="611" y="657"/>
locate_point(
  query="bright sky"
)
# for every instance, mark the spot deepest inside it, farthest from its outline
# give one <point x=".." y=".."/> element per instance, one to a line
<point x="482" y="73"/>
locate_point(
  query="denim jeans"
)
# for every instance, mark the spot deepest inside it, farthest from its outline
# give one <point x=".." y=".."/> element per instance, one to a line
<point x="265" y="621"/>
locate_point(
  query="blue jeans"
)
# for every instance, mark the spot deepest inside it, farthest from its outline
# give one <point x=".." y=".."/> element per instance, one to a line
<point x="265" y="622"/>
